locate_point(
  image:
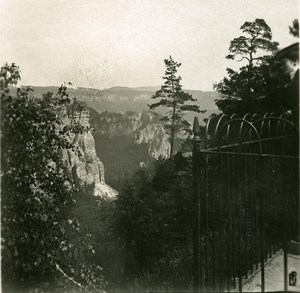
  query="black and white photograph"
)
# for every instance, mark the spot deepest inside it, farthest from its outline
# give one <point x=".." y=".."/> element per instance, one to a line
<point x="149" y="146"/>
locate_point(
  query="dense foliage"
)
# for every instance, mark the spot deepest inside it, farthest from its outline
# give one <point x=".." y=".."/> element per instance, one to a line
<point x="55" y="238"/>
<point x="155" y="224"/>
<point x="175" y="100"/>
<point x="42" y="247"/>
<point x="248" y="90"/>
<point x="294" y="29"/>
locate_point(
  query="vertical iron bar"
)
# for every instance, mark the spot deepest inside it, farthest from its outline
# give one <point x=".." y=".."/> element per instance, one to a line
<point x="261" y="224"/>
<point x="280" y="207"/>
<point x="233" y="222"/>
<point x="205" y="213"/>
<point x="256" y="205"/>
<point x="228" y="226"/>
<point x="239" y="210"/>
<point x="220" y="222"/>
<point x="213" y="226"/>
<point x="285" y="270"/>
<point x="267" y="211"/>
<point x="246" y="207"/>
<point x="252" y="207"/>
<point x="275" y="192"/>
<point x="285" y="259"/>
<point x="206" y="228"/>
<point x="286" y="228"/>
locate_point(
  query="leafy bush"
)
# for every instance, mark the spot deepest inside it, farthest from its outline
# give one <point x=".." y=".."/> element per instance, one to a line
<point x="41" y="249"/>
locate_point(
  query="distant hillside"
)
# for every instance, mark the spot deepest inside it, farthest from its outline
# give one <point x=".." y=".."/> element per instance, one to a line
<point x="122" y="99"/>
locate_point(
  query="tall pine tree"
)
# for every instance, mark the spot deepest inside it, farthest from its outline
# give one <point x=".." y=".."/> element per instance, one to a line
<point x="245" y="90"/>
<point x="175" y="100"/>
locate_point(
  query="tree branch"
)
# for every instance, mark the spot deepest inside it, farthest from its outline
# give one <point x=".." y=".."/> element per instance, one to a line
<point x="244" y="58"/>
<point x="69" y="278"/>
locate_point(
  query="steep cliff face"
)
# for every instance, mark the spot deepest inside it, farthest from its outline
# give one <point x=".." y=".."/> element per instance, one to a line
<point x="156" y="138"/>
<point x="117" y="123"/>
<point x="128" y="141"/>
<point x="145" y="128"/>
<point x="86" y="168"/>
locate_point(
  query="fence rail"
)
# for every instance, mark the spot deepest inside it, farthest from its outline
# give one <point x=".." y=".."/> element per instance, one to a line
<point x="246" y="182"/>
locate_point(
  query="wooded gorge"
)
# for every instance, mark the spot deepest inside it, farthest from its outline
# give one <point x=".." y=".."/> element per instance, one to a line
<point x="101" y="199"/>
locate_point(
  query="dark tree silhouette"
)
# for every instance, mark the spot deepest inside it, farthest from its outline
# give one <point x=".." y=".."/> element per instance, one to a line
<point x="294" y="29"/>
<point x="243" y="90"/>
<point x="175" y="99"/>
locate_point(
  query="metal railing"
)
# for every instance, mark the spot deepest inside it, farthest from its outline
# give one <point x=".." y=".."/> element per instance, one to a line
<point x="246" y="183"/>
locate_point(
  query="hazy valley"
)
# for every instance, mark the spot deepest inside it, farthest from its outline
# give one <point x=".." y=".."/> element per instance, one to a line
<point x="122" y="99"/>
<point x="128" y="136"/>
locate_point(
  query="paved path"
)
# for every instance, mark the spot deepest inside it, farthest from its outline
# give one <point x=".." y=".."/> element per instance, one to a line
<point x="274" y="275"/>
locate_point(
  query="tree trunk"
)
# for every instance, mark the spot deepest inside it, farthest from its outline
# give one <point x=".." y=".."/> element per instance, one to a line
<point x="173" y="123"/>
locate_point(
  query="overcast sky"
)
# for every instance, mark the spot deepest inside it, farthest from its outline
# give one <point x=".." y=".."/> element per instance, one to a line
<point x="105" y="43"/>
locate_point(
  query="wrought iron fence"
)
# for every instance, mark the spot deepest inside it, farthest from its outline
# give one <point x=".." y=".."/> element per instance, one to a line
<point x="246" y="182"/>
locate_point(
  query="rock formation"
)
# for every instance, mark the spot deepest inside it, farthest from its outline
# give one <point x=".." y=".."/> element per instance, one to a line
<point x="85" y="167"/>
<point x="145" y="128"/>
<point x="155" y="136"/>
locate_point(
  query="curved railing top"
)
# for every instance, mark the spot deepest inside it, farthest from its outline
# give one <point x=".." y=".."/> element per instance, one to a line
<point x="222" y="131"/>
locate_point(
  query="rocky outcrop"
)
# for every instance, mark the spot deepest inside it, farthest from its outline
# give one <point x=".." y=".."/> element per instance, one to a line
<point x="117" y="123"/>
<point x="155" y="136"/>
<point x="84" y="165"/>
<point x="145" y="128"/>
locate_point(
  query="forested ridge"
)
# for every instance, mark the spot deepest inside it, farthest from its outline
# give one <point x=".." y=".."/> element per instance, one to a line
<point x="57" y="236"/>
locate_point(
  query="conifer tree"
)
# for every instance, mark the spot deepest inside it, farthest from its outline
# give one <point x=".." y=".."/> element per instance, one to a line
<point x="174" y="99"/>
<point x="245" y="90"/>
